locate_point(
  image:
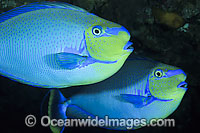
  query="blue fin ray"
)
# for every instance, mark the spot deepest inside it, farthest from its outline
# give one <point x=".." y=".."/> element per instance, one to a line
<point x="69" y="61"/>
<point x="65" y="61"/>
<point x="141" y="101"/>
<point x="37" y="6"/>
<point x="137" y="101"/>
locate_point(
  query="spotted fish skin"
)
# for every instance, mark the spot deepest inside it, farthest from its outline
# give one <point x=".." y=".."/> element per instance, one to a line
<point x="129" y="94"/>
<point x="44" y="44"/>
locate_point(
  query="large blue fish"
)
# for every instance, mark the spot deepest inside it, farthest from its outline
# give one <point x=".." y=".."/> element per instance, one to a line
<point x="141" y="89"/>
<point x="56" y="45"/>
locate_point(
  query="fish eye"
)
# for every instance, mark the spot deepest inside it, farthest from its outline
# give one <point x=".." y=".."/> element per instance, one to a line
<point x="97" y="30"/>
<point x="158" y="73"/>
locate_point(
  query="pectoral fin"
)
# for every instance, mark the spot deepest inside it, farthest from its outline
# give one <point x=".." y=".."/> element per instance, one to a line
<point x="65" y="60"/>
<point x="69" y="61"/>
<point x="137" y="101"/>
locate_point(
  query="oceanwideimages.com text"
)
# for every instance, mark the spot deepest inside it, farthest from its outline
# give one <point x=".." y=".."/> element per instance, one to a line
<point x="46" y="121"/>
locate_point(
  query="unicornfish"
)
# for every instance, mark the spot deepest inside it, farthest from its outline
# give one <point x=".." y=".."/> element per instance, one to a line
<point x="142" y="89"/>
<point x="57" y="45"/>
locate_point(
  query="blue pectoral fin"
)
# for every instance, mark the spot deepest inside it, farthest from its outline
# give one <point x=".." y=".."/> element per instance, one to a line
<point x="137" y="101"/>
<point x="74" y="111"/>
<point x="66" y="61"/>
<point x="57" y="109"/>
<point x="70" y="61"/>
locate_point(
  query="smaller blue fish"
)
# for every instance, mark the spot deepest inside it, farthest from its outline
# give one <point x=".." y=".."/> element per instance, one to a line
<point x="141" y="89"/>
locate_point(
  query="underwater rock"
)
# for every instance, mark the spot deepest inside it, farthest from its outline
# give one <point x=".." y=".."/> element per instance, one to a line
<point x="7" y="3"/>
<point x="191" y="9"/>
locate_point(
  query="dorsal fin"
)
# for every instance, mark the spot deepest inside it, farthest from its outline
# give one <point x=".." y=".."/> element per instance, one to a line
<point x="38" y="6"/>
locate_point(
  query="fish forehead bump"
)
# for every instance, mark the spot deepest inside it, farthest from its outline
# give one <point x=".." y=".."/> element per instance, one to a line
<point x="170" y="73"/>
<point x="167" y="85"/>
<point x="116" y="30"/>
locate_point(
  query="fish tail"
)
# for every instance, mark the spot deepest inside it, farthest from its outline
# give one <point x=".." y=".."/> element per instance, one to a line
<point x="57" y="109"/>
<point x="42" y="103"/>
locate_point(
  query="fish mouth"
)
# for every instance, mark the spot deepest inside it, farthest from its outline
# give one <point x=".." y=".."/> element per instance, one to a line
<point x="183" y="85"/>
<point x="129" y="46"/>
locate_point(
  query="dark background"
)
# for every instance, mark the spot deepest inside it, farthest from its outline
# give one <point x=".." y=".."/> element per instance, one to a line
<point x="152" y="38"/>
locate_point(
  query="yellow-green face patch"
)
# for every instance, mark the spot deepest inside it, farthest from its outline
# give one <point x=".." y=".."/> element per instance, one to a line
<point x="106" y="40"/>
<point x="164" y="82"/>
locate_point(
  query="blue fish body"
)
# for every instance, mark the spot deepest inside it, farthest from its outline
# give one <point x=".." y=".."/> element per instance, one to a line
<point x="55" y="45"/>
<point x="129" y="94"/>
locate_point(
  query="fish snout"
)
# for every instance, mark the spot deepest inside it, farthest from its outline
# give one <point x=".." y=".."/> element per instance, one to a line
<point x="182" y="77"/>
<point x="124" y="33"/>
<point x="124" y="36"/>
<point x="121" y="33"/>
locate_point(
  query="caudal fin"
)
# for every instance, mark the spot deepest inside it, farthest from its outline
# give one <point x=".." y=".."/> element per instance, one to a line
<point x="57" y="109"/>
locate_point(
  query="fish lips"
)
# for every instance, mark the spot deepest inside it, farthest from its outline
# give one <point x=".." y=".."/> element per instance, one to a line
<point x="129" y="46"/>
<point x="183" y="85"/>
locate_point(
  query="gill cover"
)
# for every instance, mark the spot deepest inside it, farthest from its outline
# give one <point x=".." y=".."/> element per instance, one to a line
<point x="105" y="40"/>
<point x="163" y="85"/>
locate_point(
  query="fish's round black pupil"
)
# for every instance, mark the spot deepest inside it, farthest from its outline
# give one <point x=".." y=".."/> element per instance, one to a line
<point x="158" y="74"/>
<point x="96" y="31"/>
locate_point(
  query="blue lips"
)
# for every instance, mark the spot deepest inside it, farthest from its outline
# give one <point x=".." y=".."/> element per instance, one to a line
<point x="127" y="46"/>
<point x="183" y="85"/>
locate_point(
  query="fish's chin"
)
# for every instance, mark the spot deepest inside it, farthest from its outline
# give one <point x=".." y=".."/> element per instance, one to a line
<point x="183" y="85"/>
<point x="129" y="46"/>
